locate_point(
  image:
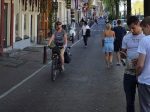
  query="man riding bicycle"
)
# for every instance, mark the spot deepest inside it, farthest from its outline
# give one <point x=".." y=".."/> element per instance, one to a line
<point x="60" y="39"/>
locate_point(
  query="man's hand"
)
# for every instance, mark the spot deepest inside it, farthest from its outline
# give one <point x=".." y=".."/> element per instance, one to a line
<point x="134" y="62"/>
<point x="123" y="55"/>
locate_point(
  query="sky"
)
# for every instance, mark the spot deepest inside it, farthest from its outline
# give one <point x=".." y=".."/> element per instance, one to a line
<point x="135" y="0"/>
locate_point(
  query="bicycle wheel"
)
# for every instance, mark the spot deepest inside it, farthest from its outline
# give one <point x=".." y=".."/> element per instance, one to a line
<point x="54" y="70"/>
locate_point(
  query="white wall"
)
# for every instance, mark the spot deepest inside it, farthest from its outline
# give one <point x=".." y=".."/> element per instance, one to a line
<point x="62" y="11"/>
<point x="18" y="9"/>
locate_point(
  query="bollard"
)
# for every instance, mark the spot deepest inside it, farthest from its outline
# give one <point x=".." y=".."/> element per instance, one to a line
<point x="45" y="55"/>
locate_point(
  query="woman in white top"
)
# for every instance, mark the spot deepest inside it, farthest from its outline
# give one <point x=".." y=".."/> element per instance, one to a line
<point x="84" y="29"/>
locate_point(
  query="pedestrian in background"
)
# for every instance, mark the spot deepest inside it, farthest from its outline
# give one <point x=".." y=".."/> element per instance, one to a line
<point x="85" y="27"/>
<point x="119" y="34"/>
<point x="108" y="44"/>
<point x="129" y="47"/>
<point x="143" y="67"/>
<point x="96" y="21"/>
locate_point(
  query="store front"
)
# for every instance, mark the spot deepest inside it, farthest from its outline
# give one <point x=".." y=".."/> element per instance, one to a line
<point x="1" y="25"/>
<point x="25" y="16"/>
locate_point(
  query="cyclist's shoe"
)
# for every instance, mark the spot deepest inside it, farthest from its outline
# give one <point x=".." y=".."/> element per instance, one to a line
<point x="62" y="67"/>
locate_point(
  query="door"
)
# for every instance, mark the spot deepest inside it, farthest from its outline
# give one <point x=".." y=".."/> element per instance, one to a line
<point x="5" y="24"/>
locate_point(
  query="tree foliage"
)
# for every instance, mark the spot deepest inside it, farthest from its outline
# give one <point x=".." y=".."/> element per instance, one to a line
<point x="112" y="6"/>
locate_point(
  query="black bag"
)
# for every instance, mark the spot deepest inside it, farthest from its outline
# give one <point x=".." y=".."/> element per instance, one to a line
<point x="88" y="33"/>
<point x="67" y="57"/>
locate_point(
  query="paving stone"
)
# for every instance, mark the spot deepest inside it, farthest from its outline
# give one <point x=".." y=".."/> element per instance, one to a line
<point x="11" y="62"/>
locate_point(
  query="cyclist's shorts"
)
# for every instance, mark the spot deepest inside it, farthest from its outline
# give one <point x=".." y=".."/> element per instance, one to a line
<point x="56" y="50"/>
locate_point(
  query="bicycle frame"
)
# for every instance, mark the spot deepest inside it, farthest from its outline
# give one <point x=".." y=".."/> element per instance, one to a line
<point x="56" y="65"/>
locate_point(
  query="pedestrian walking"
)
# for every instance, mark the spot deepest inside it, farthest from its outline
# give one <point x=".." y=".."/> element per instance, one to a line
<point x="143" y="67"/>
<point x="108" y="44"/>
<point x="129" y="47"/>
<point x="85" y="33"/>
<point x="119" y="34"/>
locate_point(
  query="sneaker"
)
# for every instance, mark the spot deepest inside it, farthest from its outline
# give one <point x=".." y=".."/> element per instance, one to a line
<point x="85" y="46"/>
<point x="108" y="66"/>
<point x="111" y="64"/>
<point x="118" y="64"/>
<point x="62" y="67"/>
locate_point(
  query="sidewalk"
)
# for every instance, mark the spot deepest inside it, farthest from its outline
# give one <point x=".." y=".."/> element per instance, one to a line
<point x="16" y="58"/>
<point x="17" y="65"/>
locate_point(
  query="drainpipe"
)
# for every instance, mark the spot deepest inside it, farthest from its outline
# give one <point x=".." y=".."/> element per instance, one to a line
<point x="2" y="28"/>
<point x="12" y="23"/>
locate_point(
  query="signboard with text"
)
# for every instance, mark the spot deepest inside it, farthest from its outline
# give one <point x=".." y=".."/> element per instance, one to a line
<point x="68" y="4"/>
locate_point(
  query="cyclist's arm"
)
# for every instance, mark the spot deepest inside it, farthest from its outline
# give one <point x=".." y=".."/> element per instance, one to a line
<point x="65" y="40"/>
<point x="50" y="39"/>
<point x="124" y="46"/>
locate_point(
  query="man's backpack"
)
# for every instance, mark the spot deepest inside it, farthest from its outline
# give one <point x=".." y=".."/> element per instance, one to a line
<point x="88" y="32"/>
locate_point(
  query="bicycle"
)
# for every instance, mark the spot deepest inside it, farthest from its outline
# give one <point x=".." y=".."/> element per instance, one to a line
<point x="56" y="62"/>
<point x="56" y="67"/>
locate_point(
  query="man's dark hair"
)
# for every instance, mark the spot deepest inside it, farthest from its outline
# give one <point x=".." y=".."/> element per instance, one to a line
<point x="118" y="22"/>
<point x="132" y="20"/>
<point x="145" y="21"/>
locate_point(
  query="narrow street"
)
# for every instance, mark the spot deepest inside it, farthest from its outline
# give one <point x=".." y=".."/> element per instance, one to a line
<point x="85" y="86"/>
